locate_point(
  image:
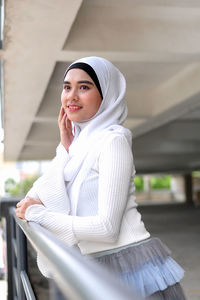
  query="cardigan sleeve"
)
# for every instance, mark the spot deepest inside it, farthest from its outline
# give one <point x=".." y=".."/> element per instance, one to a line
<point x="115" y="172"/>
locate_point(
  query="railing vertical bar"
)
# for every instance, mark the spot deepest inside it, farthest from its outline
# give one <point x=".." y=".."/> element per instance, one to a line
<point x="15" y="280"/>
<point x="13" y="257"/>
<point x="14" y="245"/>
<point x="9" y="258"/>
<point x="21" y="260"/>
<point x="5" y="205"/>
<point x="27" y="286"/>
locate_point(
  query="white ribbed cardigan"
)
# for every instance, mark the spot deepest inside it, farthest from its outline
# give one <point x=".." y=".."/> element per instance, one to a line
<point x="106" y="214"/>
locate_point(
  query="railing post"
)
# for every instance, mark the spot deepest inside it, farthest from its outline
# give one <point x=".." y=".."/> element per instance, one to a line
<point x="9" y="258"/>
<point x="189" y="188"/>
<point x="12" y="262"/>
<point x="21" y="260"/>
<point x="5" y="204"/>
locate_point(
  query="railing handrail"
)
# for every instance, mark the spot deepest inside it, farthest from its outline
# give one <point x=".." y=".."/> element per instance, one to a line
<point x="76" y="276"/>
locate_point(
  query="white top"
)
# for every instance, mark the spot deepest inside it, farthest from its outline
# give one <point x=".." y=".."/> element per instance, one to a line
<point x="105" y="216"/>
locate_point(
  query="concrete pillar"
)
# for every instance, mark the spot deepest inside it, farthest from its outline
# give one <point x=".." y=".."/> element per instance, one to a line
<point x="188" y="188"/>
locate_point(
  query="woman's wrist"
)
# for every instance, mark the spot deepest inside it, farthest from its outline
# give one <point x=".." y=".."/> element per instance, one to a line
<point x="35" y="213"/>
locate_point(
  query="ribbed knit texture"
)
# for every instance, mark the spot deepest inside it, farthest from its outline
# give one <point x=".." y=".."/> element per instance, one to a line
<point x="115" y="169"/>
<point x="98" y="225"/>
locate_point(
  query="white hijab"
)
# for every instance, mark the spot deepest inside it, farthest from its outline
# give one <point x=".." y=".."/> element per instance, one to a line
<point x="90" y="136"/>
<point x="112" y="112"/>
<point x="113" y="109"/>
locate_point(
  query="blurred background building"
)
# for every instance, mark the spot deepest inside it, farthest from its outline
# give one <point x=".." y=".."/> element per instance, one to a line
<point x="154" y="43"/>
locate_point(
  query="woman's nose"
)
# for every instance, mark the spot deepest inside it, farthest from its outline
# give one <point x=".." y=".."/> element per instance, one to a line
<point x="73" y="94"/>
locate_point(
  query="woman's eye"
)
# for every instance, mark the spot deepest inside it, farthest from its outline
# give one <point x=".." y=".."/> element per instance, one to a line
<point x="84" y="87"/>
<point x="66" y="87"/>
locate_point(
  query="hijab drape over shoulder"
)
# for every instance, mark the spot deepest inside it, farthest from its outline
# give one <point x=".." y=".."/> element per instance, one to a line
<point x="90" y="136"/>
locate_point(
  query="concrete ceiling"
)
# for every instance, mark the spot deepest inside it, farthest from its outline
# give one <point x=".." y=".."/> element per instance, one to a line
<point x="155" y="43"/>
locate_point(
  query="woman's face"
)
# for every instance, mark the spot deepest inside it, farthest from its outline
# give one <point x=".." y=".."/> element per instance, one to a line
<point x="80" y="97"/>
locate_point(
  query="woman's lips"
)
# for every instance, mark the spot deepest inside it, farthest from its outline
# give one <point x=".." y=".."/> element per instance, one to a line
<point x="73" y="107"/>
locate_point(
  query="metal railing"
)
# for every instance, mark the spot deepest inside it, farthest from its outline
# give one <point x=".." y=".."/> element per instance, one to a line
<point x="5" y="204"/>
<point x="77" y="277"/>
<point x="21" y="286"/>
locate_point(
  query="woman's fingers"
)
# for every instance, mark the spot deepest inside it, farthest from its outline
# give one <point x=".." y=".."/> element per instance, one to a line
<point x="63" y="121"/>
<point x="21" y="208"/>
<point x="20" y="203"/>
<point x="69" y="124"/>
<point x="28" y="201"/>
<point x="61" y="114"/>
<point x="24" y="204"/>
<point x="20" y="213"/>
<point x="65" y="127"/>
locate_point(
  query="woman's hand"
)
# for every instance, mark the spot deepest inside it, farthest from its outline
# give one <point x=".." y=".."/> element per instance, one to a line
<point x="65" y="127"/>
<point x="24" y="204"/>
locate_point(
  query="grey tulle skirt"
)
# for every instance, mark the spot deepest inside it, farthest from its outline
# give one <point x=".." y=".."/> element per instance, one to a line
<point x="147" y="268"/>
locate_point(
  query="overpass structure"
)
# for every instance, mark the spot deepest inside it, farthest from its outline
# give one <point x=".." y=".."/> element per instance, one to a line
<point x="155" y="43"/>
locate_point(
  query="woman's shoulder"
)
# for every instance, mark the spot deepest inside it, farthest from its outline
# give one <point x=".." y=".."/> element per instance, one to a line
<point x="116" y="143"/>
<point x="117" y="138"/>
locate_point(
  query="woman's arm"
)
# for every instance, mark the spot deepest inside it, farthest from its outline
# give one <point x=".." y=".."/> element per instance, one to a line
<point x="115" y="170"/>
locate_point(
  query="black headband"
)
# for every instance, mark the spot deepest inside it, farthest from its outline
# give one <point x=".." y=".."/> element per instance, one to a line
<point x="89" y="70"/>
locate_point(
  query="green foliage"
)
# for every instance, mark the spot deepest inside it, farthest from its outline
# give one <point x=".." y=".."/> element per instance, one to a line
<point x="162" y="182"/>
<point x="19" y="188"/>
<point x="15" y="190"/>
<point x="196" y="174"/>
<point x="27" y="183"/>
<point x="9" y="184"/>
<point x="139" y="183"/>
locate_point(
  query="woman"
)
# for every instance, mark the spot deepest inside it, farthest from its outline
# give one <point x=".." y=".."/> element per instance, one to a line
<point x="86" y="195"/>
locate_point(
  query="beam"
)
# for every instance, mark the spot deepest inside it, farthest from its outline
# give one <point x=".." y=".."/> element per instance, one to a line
<point x="178" y="88"/>
<point x="148" y="28"/>
<point x="33" y="36"/>
<point x="163" y="146"/>
<point x="131" y="56"/>
<point x="177" y="111"/>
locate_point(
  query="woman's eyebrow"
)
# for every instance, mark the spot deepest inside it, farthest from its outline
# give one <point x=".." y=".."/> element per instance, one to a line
<point x="85" y="81"/>
<point x="81" y="81"/>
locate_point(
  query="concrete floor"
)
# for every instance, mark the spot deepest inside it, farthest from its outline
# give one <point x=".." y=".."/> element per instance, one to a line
<point x="179" y="227"/>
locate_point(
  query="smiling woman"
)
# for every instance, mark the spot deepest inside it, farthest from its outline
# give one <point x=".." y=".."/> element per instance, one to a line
<point x="86" y="197"/>
<point x="80" y="97"/>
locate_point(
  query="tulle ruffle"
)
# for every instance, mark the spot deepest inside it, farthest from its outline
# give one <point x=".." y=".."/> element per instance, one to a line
<point x="173" y="292"/>
<point x="146" y="267"/>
